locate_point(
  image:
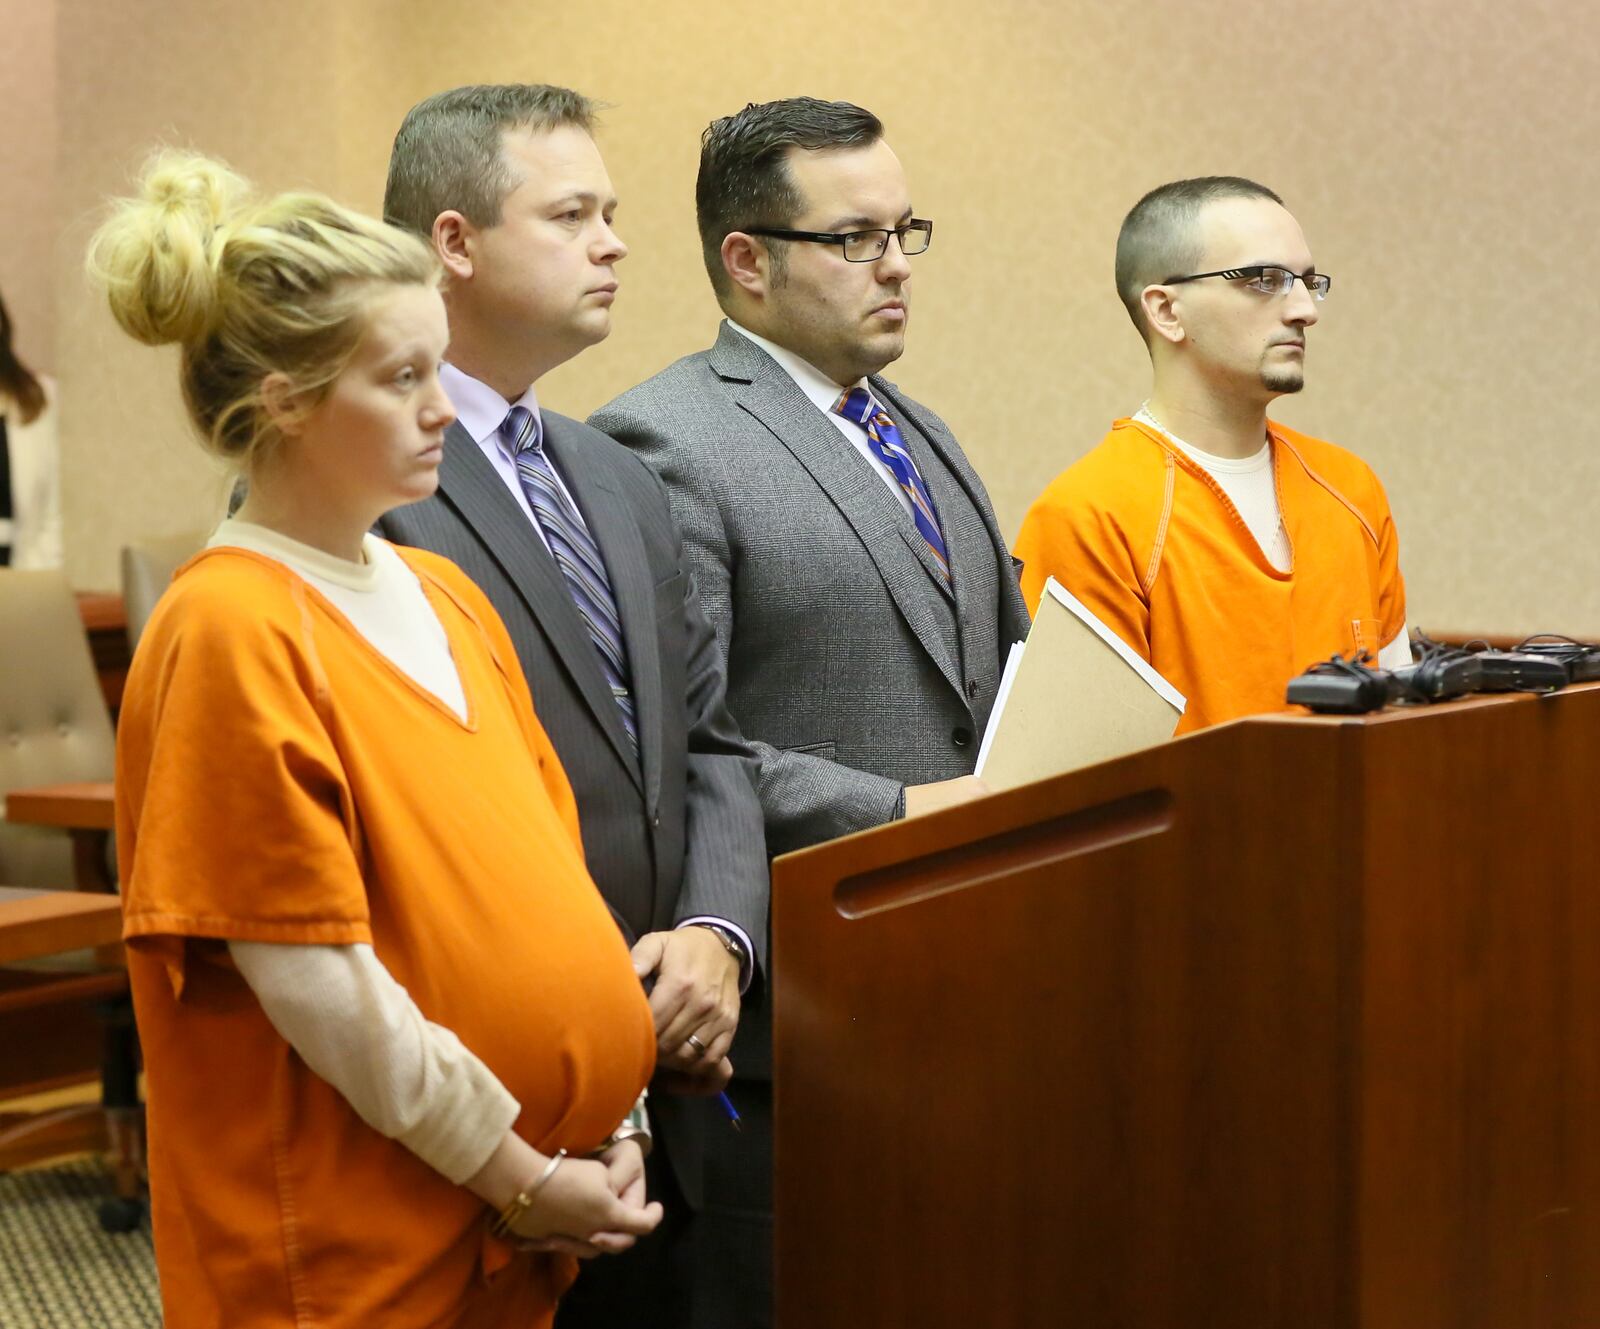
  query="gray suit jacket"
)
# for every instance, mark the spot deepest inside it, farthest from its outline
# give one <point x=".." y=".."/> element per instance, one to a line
<point x="677" y="832"/>
<point x="846" y="666"/>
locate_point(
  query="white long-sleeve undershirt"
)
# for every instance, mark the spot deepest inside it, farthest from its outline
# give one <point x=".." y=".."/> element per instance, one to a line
<point x="356" y="1027"/>
<point x="380" y="596"/>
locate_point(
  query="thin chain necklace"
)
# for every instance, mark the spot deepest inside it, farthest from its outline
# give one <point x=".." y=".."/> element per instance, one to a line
<point x="1144" y="410"/>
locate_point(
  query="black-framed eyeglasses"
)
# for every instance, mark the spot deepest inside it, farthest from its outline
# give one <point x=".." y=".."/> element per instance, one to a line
<point x="860" y="246"/>
<point x="1266" y="278"/>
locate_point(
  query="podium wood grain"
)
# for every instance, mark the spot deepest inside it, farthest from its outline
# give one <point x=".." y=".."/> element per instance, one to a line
<point x="1291" y="1022"/>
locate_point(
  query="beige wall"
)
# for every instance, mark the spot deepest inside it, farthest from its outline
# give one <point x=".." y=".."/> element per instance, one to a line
<point x="28" y="176"/>
<point x="1438" y="154"/>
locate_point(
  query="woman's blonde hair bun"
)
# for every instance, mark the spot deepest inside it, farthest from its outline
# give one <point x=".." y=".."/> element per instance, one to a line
<point x="248" y="287"/>
<point x="159" y="254"/>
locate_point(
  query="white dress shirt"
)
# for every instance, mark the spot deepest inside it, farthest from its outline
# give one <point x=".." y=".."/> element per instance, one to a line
<point x="823" y="392"/>
<point x="34" y="529"/>
<point x="480" y="411"/>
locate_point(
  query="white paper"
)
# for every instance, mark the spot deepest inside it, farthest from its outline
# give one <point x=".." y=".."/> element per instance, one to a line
<point x="1004" y="691"/>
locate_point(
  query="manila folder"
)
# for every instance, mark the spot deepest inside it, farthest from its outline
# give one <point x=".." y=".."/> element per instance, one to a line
<point x="1079" y="695"/>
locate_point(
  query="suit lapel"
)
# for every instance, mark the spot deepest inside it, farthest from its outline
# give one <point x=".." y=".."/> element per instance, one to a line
<point x="966" y="536"/>
<point x="472" y="486"/>
<point x="616" y="531"/>
<point x="924" y="555"/>
<point x="772" y="397"/>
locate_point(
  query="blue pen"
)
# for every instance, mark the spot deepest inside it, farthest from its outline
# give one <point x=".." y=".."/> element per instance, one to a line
<point x="733" y="1112"/>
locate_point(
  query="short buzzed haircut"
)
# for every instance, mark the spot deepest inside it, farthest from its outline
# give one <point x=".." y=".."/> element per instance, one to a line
<point x="448" y="155"/>
<point x="744" y="176"/>
<point x="1160" y="237"/>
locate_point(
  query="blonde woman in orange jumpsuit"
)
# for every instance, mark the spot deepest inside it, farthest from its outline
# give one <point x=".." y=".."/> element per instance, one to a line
<point x="392" y="1036"/>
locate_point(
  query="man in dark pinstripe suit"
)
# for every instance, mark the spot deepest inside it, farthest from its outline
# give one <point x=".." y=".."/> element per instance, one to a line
<point x="573" y="540"/>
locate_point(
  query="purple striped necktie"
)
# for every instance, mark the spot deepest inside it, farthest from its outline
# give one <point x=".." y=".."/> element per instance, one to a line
<point x="857" y="405"/>
<point x="576" y="554"/>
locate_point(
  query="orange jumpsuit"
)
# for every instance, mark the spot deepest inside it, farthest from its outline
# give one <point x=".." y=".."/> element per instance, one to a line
<point x="1148" y="541"/>
<point x="279" y="780"/>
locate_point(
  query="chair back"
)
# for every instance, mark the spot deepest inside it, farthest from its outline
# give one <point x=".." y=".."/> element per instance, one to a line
<point x="54" y="727"/>
<point x="147" y="568"/>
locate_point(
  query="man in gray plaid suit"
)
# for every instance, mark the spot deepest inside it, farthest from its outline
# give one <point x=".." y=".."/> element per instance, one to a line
<point x="843" y="548"/>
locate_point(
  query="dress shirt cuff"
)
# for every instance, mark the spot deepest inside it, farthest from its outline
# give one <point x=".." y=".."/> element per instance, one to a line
<point x="748" y="963"/>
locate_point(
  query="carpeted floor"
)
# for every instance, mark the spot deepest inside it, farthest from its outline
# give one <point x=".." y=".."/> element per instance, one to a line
<point x="58" y="1270"/>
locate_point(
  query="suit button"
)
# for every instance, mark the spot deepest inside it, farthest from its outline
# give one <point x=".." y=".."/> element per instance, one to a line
<point x="972" y="689"/>
<point x="961" y="736"/>
<point x="656" y="821"/>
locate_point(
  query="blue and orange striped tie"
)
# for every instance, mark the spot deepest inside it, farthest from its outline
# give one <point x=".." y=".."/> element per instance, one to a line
<point x="857" y="405"/>
<point x="576" y="554"/>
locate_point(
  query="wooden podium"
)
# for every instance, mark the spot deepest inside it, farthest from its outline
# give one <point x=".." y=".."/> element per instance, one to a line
<point x="1294" y="1022"/>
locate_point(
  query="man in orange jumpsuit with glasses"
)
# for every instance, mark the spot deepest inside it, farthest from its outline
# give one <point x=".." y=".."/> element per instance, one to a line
<point x="1228" y="550"/>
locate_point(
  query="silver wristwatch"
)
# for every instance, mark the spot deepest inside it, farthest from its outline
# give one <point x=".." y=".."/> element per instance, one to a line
<point x="729" y="940"/>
